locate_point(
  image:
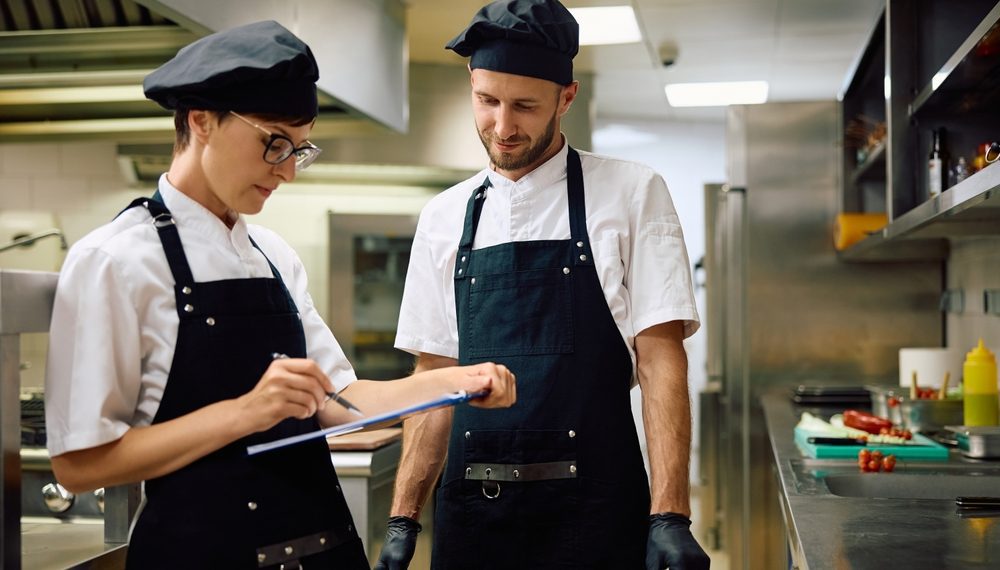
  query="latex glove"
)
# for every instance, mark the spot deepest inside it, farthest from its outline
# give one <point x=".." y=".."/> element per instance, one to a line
<point x="671" y="545"/>
<point x="400" y="542"/>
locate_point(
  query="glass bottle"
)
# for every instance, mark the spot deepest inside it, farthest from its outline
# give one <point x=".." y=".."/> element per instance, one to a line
<point x="936" y="165"/>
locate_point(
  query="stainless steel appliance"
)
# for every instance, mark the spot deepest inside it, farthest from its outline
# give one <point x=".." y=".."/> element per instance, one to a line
<point x="26" y="307"/>
<point x="784" y="310"/>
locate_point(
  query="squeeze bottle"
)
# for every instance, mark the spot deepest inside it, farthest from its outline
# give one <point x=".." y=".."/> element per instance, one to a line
<point x="979" y="373"/>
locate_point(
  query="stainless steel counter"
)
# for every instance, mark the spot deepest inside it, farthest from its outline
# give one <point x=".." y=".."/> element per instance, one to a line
<point x="825" y="530"/>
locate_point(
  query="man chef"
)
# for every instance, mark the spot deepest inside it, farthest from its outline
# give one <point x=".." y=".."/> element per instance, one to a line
<point x="171" y="326"/>
<point x="571" y="269"/>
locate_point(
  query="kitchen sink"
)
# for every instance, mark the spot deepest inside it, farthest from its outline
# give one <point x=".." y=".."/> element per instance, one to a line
<point x="942" y="486"/>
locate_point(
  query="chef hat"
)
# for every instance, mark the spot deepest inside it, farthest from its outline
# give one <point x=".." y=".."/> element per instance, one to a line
<point x="257" y="68"/>
<point x="537" y="38"/>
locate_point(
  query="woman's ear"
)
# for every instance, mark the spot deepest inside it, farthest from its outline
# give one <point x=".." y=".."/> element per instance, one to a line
<point x="201" y="124"/>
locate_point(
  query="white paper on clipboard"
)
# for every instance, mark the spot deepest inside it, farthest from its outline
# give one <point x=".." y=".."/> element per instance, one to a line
<point x="446" y="400"/>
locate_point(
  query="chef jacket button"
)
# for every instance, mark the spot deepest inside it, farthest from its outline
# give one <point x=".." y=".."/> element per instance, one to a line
<point x="252" y="506"/>
<point x="188" y="308"/>
<point x="468" y="435"/>
<point x="350" y="528"/>
<point x="289" y="550"/>
<point x="572" y="433"/>
<point x="261" y="558"/>
<point x="579" y="244"/>
<point x="517" y="473"/>
<point x="583" y="258"/>
<point x="572" y="468"/>
<point x="186" y="290"/>
<point x="210" y="321"/>
<point x="566" y="270"/>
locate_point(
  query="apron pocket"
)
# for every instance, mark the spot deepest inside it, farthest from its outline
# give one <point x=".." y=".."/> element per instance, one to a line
<point x="520" y="313"/>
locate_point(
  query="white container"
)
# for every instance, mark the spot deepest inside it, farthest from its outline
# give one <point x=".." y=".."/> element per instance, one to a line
<point x="930" y="364"/>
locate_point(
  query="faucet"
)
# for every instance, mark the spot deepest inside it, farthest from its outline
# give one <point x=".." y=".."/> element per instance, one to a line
<point x="24" y="241"/>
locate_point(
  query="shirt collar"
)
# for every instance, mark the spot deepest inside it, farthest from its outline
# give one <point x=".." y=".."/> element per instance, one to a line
<point x="546" y="174"/>
<point x="190" y="213"/>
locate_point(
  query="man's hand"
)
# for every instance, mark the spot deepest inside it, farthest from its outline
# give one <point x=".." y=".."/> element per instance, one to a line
<point x="670" y="544"/>
<point x="400" y="542"/>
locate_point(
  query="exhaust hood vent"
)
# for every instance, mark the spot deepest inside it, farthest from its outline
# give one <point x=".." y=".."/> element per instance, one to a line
<point x="73" y="69"/>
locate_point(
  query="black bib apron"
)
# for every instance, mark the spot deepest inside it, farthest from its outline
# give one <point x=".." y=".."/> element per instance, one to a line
<point x="282" y="509"/>
<point x="557" y="480"/>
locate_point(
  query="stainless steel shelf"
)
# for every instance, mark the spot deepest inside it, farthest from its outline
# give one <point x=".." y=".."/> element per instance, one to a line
<point x="969" y="208"/>
<point x="968" y="81"/>
<point x="870" y="168"/>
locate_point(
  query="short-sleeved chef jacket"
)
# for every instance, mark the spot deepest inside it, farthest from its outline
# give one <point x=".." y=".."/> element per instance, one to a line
<point x="114" y="323"/>
<point x="634" y="230"/>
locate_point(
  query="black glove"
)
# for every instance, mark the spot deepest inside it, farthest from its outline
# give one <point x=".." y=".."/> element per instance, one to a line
<point x="400" y="542"/>
<point x="670" y="544"/>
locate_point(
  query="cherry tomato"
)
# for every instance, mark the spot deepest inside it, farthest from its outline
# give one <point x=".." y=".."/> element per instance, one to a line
<point x="876" y="455"/>
<point x="889" y="463"/>
<point x="873" y="465"/>
<point x="884" y="431"/>
<point x="893" y="401"/>
<point x="864" y="455"/>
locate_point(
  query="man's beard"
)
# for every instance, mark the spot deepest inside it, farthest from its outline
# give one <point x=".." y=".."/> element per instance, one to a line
<point x="509" y="161"/>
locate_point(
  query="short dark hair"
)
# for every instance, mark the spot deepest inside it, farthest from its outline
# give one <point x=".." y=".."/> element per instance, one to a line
<point x="182" y="134"/>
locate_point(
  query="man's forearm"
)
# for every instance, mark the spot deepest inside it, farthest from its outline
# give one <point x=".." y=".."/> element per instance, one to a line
<point x="425" y="447"/>
<point x="666" y="413"/>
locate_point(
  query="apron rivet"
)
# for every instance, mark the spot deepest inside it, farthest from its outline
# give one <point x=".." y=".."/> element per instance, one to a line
<point x="186" y="290"/>
<point x="338" y="488"/>
<point x="579" y="244"/>
<point x="289" y="550"/>
<point x="261" y="558"/>
<point x="572" y="468"/>
<point x="463" y="259"/>
<point x="572" y="433"/>
<point x="210" y="321"/>
<point x="350" y="528"/>
<point x="322" y="540"/>
<point x="459" y="270"/>
<point x="188" y="308"/>
<point x="468" y="471"/>
<point x="468" y="435"/>
<point x="473" y="280"/>
<point x="517" y="473"/>
<point x="566" y="270"/>
<point x="583" y="258"/>
<point x="488" y="472"/>
<point x="252" y="506"/>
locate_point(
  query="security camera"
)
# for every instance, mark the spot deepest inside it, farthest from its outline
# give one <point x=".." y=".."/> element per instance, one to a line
<point x="668" y="53"/>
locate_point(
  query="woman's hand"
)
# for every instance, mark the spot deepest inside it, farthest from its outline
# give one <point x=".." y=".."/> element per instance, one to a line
<point x="497" y="379"/>
<point x="290" y="388"/>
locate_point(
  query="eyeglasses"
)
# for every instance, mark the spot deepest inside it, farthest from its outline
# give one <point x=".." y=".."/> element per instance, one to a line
<point x="280" y="147"/>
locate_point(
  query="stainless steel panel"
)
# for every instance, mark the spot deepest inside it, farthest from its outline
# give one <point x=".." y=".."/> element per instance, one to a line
<point x="792" y="311"/>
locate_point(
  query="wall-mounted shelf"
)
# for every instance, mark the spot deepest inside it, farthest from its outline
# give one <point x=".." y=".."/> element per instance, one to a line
<point x="873" y="168"/>
<point x="969" y="208"/>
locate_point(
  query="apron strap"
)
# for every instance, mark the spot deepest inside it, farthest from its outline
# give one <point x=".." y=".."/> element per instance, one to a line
<point x="473" y="210"/>
<point x="577" y="209"/>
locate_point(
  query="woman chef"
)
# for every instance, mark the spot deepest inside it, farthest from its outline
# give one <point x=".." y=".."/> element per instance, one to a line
<point x="166" y="322"/>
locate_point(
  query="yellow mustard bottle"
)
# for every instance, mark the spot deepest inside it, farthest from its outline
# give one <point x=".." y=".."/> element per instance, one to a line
<point x="979" y="372"/>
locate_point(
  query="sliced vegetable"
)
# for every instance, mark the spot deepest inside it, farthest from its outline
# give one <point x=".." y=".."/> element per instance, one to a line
<point x="865" y="421"/>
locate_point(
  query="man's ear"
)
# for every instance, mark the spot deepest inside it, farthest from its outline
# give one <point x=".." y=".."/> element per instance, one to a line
<point x="566" y="97"/>
<point x="201" y="124"/>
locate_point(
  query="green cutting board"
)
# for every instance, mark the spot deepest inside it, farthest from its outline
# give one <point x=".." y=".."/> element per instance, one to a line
<point x="930" y="451"/>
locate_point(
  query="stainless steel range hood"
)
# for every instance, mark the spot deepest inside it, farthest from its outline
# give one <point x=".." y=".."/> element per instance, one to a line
<point x="73" y="69"/>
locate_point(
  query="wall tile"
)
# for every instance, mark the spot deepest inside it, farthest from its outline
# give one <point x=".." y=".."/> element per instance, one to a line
<point x="15" y="193"/>
<point x="87" y="158"/>
<point x="59" y="193"/>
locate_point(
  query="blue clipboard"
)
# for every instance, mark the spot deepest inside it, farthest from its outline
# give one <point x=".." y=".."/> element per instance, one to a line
<point x="446" y="400"/>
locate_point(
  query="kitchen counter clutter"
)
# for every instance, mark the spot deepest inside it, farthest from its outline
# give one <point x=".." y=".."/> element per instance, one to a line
<point x="836" y="514"/>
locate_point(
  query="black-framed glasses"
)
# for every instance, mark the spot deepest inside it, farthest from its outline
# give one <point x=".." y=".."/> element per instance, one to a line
<point x="279" y="147"/>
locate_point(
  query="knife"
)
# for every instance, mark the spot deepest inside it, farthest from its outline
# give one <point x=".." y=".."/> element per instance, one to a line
<point x="861" y="442"/>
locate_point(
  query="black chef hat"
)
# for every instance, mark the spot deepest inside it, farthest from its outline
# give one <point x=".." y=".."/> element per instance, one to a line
<point x="537" y="38"/>
<point x="257" y="68"/>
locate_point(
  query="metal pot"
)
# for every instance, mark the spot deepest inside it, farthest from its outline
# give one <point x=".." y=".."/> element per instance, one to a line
<point x="915" y="415"/>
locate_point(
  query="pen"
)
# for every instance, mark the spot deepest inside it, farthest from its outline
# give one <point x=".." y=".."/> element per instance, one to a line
<point x="329" y="395"/>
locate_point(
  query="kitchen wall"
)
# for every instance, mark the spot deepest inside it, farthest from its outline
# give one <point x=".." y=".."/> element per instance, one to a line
<point x="974" y="266"/>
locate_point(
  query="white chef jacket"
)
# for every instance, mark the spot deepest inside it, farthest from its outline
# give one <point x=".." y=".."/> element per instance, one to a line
<point x="634" y="231"/>
<point x="115" y="323"/>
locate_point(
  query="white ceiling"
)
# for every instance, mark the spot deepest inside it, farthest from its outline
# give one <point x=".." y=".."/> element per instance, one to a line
<point x="803" y="48"/>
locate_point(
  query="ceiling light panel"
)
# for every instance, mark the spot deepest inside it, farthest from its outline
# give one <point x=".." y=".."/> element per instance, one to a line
<point x="603" y="25"/>
<point x="717" y="94"/>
